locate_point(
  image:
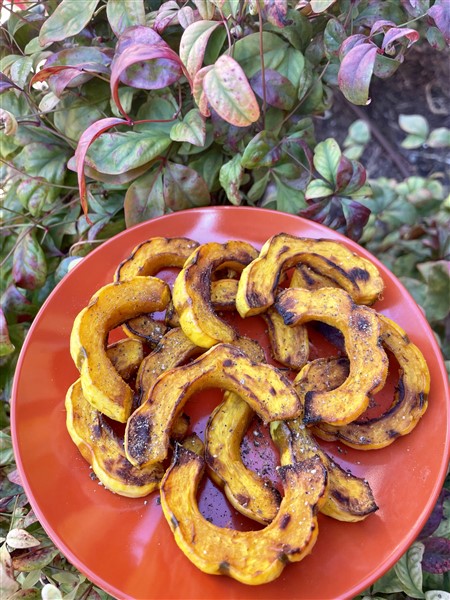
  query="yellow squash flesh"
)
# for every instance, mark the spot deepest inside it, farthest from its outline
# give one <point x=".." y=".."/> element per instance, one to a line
<point x="348" y="498"/>
<point x="155" y="254"/>
<point x="251" y="557"/>
<point x="409" y="403"/>
<point x="249" y="493"/>
<point x="361" y="330"/>
<point x="111" y="306"/>
<point x="259" y="280"/>
<point x="224" y="366"/>
<point x="192" y="290"/>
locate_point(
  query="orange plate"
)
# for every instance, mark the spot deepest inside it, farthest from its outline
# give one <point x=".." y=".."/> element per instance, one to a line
<point x="124" y="545"/>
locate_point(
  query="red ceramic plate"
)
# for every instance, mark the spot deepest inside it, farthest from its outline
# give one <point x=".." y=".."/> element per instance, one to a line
<point x="124" y="545"/>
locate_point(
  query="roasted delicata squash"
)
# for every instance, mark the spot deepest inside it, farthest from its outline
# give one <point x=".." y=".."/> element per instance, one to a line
<point x="409" y="403"/>
<point x="224" y="366"/>
<point x="288" y="345"/>
<point x="155" y="254"/>
<point x="259" y="280"/>
<point x="368" y="361"/>
<point x="192" y="290"/>
<point x="348" y="498"/>
<point x="173" y="349"/>
<point x="101" y="448"/>
<point x="251" y="557"/>
<point x="113" y="304"/>
<point x="96" y="440"/>
<point x="249" y="493"/>
<point x="145" y="328"/>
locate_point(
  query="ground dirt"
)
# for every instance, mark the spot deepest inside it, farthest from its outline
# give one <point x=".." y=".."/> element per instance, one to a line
<point x="421" y="86"/>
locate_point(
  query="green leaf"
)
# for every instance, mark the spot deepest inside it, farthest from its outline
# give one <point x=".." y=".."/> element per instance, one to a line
<point x="412" y="141"/>
<point x="262" y="151"/>
<point x="414" y="124"/>
<point x="319" y="6"/>
<point x="208" y="166"/>
<point x="125" y="13"/>
<point x="20" y="70"/>
<point x="157" y="108"/>
<point x="6" y="346"/>
<point x="437" y="277"/>
<point x="333" y="36"/>
<point x="327" y="156"/>
<point x="318" y="188"/>
<point x="43" y="160"/>
<point x="193" y="44"/>
<point x="287" y="199"/>
<point x="258" y="188"/>
<point x="229" y="93"/>
<point x="51" y="592"/>
<point x="439" y="138"/>
<point x="144" y="199"/>
<point x="247" y="52"/>
<point x="183" y="187"/>
<point x="409" y="571"/>
<point x="68" y="19"/>
<point x="437" y="595"/>
<point x="114" y="153"/>
<point x="230" y="177"/>
<point x="191" y="129"/>
<point x="358" y="132"/>
<point x="75" y="115"/>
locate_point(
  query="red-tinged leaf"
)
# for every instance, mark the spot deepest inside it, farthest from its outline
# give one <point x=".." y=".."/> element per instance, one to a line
<point x="6" y="83"/>
<point x="440" y="13"/>
<point x="344" y="172"/>
<point x="397" y="33"/>
<point x="166" y="16"/>
<point x="29" y="269"/>
<point x="144" y="67"/>
<point x="193" y="44"/>
<point x="14" y="476"/>
<point x="8" y="584"/>
<point x="66" y="20"/>
<point x="356" y="72"/>
<point x="198" y="91"/>
<point x="349" y="43"/>
<point x="436" y="558"/>
<point x="60" y="76"/>
<point x="434" y="520"/>
<point x="380" y="26"/>
<point x="357" y="179"/>
<point x="6" y="347"/>
<point x="15" y="304"/>
<point x="356" y="217"/>
<point x="229" y="93"/>
<point x="184" y="187"/>
<point x="279" y="91"/>
<point x="276" y="12"/>
<point x="33" y="559"/>
<point x="20" y="539"/>
<point x="86" y="139"/>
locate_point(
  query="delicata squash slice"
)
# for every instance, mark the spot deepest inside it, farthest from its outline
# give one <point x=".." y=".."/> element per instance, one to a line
<point x="368" y="361"/>
<point x="259" y="280"/>
<point x="251" y="557"/>
<point x="249" y="493"/>
<point x="113" y="304"/>
<point x="348" y="498"/>
<point x="147" y="259"/>
<point x="155" y="254"/>
<point x="96" y="440"/>
<point x="192" y="290"/>
<point x="410" y="398"/>
<point x="224" y="366"/>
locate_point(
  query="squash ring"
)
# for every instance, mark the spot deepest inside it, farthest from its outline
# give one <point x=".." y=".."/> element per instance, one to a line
<point x="259" y="280"/>
<point x="192" y="290"/>
<point x="225" y="366"/>
<point x="368" y="361"/>
<point x="109" y="307"/>
<point x="249" y="493"/>
<point x="348" y="498"/>
<point x="409" y="403"/>
<point x="251" y="557"/>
